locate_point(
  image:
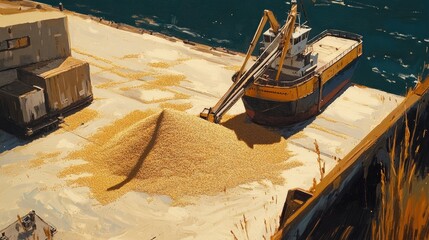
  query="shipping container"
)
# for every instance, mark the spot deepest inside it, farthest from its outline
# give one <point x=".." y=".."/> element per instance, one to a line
<point x="66" y="82"/>
<point x="7" y="77"/>
<point x="31" y="37"/>
<point x="22" y="104"/>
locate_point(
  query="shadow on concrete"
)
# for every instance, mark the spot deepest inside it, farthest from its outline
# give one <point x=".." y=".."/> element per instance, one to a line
<point x="9" y="141"/>
<point x="135" y="170"/>
<point x="251" y="133"/>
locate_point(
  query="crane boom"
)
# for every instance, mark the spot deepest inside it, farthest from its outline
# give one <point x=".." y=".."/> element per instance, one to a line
<point x="268" y="15"/>
<point x="277" y="48"/>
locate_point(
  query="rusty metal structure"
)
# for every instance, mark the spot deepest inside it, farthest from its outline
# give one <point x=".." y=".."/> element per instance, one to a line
<point x="39" y="80"/>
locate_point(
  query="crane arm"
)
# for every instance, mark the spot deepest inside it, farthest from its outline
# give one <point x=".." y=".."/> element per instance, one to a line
<point x="286" y="41"/>
<point x="274" y="24"/>
<point x="277" y="48"/>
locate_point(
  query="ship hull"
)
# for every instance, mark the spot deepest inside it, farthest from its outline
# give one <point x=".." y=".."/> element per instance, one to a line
<point x="275" y="112"/>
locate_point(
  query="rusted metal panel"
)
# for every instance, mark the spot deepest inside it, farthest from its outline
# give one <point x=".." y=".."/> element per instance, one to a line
<point x="21" y="104"/>
<point x="66" y="81"/>
<point x="31" y="38"/>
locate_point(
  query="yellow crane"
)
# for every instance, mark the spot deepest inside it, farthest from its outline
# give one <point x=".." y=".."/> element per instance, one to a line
<point x="243" y="79"/>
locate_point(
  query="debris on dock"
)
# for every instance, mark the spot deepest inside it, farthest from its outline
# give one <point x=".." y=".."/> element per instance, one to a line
<point x="31" y="226"/>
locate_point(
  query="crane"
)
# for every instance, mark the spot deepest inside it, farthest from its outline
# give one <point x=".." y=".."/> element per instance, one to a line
<point x="243" y="79"/>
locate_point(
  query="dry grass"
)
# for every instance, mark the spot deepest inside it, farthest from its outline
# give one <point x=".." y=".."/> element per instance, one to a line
<point x="320" y="161"/>
<point x="175" y="154"/>
<point x="79" y="118"/>
<point x="404" y="210"/>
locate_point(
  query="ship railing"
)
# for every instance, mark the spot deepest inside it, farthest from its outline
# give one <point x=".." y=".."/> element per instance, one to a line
<point x="285" y="83"/>
<point x="345" y="52"/>
<point x="336" y="33"/>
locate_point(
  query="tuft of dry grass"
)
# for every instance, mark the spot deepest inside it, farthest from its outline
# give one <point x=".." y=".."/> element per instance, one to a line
<point x="175" y="154"/>
<point x="320" y="161"/>
<point x="404" y="207"/>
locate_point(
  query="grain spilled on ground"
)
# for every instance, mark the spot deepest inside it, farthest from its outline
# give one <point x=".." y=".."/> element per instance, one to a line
<point x="176" y="106"/>
<point x="169" y="79"/>
<point x="175" y="154"/>
<point x="160" y="64"/>
<point x="79" y="118"/>
<point x="42" y="158"/>
<point x="131" y="56"/>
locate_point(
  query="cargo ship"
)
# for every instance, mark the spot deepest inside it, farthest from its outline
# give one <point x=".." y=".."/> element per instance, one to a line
<point x="293" y="78"/>
<point x="312" y="74"/>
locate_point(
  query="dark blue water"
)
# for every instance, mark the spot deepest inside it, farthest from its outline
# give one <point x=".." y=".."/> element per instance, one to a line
<point x="396" y="32"/>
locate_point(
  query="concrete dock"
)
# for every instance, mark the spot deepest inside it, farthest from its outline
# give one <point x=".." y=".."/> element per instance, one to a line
<point x="131" y="70"/>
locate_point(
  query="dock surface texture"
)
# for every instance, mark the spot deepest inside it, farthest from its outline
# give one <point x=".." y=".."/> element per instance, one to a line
<point x="134" y="71"/>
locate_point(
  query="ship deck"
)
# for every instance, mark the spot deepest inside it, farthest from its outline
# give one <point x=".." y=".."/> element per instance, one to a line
<point x="331" y="48"/>
<point x="132" y="61"/>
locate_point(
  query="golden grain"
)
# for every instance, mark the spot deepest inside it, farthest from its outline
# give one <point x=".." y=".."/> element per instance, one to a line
<point x="176" y="106"/>
<point x="169" y="79"/>
<point x="175" y="154"/>
<point x="160" y="64"/>
<point x="130" y="56"/>
<point x="79" y="118"/>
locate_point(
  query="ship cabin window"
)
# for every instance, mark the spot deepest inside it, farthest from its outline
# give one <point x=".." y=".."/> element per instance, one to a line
<point x="296" y="40"/>
<point x="15" y="43"/>
<point x="305" y="35"/>
<point x="300" y="38"/>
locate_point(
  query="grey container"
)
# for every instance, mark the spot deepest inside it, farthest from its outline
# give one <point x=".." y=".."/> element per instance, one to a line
<point x="22" y="104"/>
<point x="66" y="82"/>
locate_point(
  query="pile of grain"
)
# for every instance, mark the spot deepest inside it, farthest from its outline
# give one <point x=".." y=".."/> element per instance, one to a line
<point x="175" y="154"/>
